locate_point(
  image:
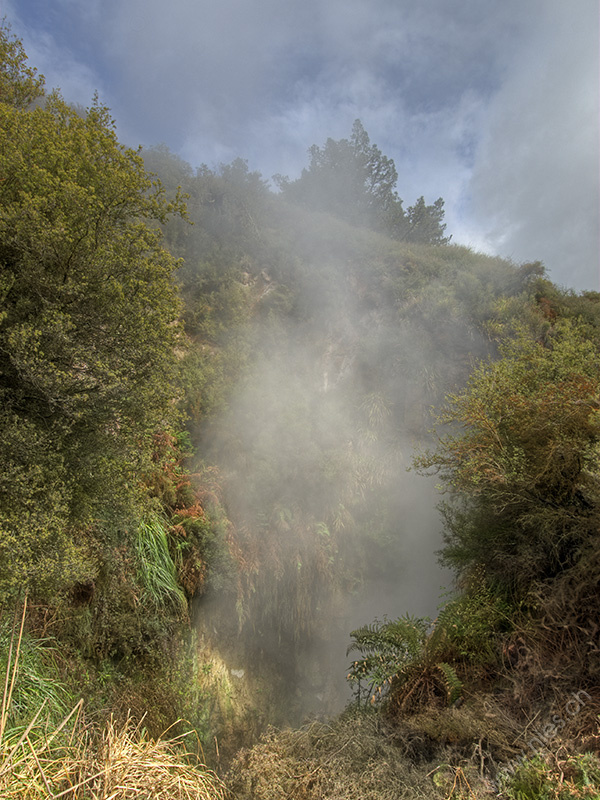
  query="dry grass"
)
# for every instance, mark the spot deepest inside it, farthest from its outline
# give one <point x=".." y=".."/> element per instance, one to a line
<point x="356" y="756"/>
<point x="123" y="765"/>
<point x="75" y="761"/>
<point x="437" y="754"/>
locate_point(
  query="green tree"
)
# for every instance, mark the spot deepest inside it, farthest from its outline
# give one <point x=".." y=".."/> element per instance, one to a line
<point x="424" y="223"/>
<point x="88" y="327"/>
<point x="20" y="85"/>
<point x="352" y="179"/>
<point x="523" y="472"/>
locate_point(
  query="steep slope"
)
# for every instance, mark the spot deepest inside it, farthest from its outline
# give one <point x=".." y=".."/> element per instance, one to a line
<point x="329" y="345"/>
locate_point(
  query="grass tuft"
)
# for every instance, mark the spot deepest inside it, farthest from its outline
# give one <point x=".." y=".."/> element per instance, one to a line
<point x="156" y="569"/>
<point x="72" y="759"/>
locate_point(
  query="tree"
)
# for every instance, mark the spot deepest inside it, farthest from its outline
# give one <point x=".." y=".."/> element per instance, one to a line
<point x="524" y="473"/>
<point x="88" y="327"/>
<point x="424" y="223"/>
<point x="352" y="179"/>
<point x="20" y="85"/>
<point x="349" y="178"/>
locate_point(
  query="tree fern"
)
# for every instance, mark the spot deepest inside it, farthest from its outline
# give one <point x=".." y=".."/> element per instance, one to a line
<point x="406" y="660"/>
<point x="388" y="650"/>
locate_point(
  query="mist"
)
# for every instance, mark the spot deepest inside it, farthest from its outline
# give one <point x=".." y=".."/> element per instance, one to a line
<point x="224" y="389"/>
<point x="494" y="109"/>
<point x="330" y="527"/>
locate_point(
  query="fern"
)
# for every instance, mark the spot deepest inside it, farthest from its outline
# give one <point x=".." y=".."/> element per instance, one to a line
<point x="453" y="684"/>
<point x="388" y="651"/>
<point x="413" y="660"/>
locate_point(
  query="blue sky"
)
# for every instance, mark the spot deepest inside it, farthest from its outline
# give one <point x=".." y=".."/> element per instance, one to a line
<point x="491" y="104"/>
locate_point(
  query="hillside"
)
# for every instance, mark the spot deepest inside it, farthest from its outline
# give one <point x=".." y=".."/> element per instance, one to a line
<point x="222" y="408"/>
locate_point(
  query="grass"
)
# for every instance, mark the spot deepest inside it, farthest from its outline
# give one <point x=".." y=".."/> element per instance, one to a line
<point x="441" y="754"/>
<point x="35" y="668"/>
<point x="50" y="750"/>
<point x="570" y="778"/>
<point x="358" y="755"/>
<point x="75" y="760"/>
<point x="156" y="569"/>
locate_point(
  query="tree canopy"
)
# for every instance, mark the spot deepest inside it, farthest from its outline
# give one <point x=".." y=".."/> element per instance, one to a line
<point x="20" y="84"/>
<point x="523" y="470"/>
<point x="88" y="322"/>
<point x="353" y="179"/>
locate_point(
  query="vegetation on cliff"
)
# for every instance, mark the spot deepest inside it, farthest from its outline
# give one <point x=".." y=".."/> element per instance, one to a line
<point x="210" y="396"/>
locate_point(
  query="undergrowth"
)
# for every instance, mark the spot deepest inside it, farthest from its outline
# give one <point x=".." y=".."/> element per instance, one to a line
<point x="356" y="756"/>
<point x="453" y="754"/>
<point x="47" y="753"/>
<point x="404" y="659"/>
<point x="568" y="778"/>
<point x="414" y="661"/>
<point x="158" y="574"/>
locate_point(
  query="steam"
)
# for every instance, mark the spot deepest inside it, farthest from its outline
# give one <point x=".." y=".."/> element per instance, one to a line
<point x="332" y="529"/>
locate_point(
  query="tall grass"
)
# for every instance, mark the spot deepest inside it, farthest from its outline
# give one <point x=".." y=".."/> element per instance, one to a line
<point x="156" y="569"/>
<point x="72" y="759"/>
<point x="34" y="661"/>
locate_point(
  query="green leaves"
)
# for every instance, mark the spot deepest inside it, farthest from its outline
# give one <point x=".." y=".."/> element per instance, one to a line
<point x="412" y="660"/>
<point x="94" y="302"/>
<point x="401" y="659"/>
<point x="88" y="329"/>
<point x="156" y="568"/>
<point x="523" y="472"/>
<point x="424" y="223"/>
<point x="352" y="179"/>
<point x="20" y="85"/>
<point x="37" y="550"/>
<point x="387" y="648"/>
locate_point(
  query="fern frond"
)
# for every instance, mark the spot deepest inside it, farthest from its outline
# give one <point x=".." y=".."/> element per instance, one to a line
<point x="453" y="683"/>
<point x="388" y="650"/>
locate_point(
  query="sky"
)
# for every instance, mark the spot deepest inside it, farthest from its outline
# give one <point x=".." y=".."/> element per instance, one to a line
<point x="491" y="104"/>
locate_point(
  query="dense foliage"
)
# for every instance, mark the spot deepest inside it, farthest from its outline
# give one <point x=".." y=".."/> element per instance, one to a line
<point x="89" y="323"/>
<point x="207" y="410"/>
<point x="89" y="326"/>
<point x="20" y="84"/>
<point x="527" y="459"/>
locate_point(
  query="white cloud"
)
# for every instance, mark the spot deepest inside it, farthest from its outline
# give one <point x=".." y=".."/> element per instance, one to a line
<point x="491" y="105"/>
<point x="60" y="66"/>
<point x="535" y="184"/>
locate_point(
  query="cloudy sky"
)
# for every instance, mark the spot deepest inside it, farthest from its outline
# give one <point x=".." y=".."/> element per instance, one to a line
<point x="491" y="104"/>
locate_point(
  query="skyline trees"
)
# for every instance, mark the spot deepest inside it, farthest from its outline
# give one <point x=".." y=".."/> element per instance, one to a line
<point x="353" y="179"/>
